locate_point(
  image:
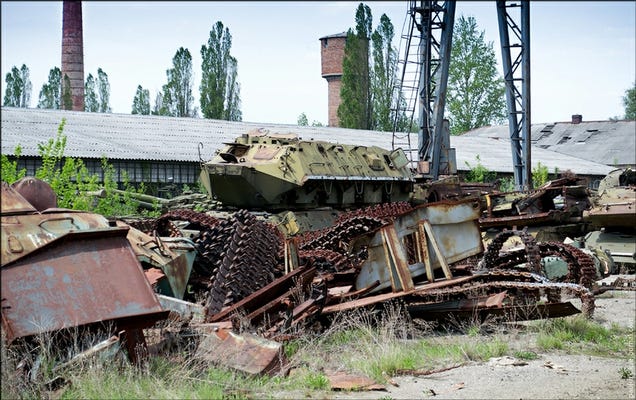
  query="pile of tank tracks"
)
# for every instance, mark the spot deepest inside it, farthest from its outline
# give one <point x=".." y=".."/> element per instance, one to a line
<point x="241" y="254"/>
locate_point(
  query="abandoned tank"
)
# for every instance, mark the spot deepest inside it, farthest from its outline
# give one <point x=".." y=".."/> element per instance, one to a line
<point x="612" y="218"/>
<point x="273" y="172"/>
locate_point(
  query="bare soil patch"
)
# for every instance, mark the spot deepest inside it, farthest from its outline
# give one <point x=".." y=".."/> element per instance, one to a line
<point x="553" y="375"/>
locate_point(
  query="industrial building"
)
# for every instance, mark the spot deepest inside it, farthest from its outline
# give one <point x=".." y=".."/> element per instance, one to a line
<point x="163" y="150"/>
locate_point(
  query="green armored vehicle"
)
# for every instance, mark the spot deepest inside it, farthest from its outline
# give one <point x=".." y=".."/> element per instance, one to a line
<point x="272" y="171"/>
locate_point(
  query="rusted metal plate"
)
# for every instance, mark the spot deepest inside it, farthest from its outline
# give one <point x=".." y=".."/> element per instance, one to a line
<point x="452" y="231"/>
<point x="12" y="202"/>
<point x="379" y="298"/>
<point x="347" y="381"/>
<point x="523" y="220"/>
<point x="247" y="353"/>
<point x="37" y="192"/>
<point x="77" y="279"/>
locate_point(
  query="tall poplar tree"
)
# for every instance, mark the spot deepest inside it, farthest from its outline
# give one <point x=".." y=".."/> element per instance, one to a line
<point x="629" y="101"/>
<point x="51" y="92"/>
<point x="97" y="93"/>
<point x="220" y="90"/>
<point x="141" y="101"/>
<point x="91" y="104"/>
<point x="383" y="76"/>
<point x="18" y="91"/>
<point x="159" y="109"/>
<point x="178" y="100"/>
<point x="356" y="103"/>
<point x="103" y="88"/>
<point x="475" y="90"/>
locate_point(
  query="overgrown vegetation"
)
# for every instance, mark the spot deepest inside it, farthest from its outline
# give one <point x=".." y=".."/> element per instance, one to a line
<point x="72" y="182"/>
<point x="479" y="173"/>
<point x="580" y="335"/>
<point x="378" y="344"/>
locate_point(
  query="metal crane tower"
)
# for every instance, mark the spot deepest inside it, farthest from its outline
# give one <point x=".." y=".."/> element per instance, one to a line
<point x="426" y="43"/>
<point x="517" y="87"/>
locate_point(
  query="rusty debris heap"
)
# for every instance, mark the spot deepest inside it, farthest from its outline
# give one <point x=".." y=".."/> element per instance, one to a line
<point x="250" y="280"/>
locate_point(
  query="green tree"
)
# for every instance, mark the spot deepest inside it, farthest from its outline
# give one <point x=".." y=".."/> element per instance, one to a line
<point x="475" y="90"/>
<point x="18" y="92"/>
<point x="540" y="175"/>
<point x="629" y="101"/>
<point x="67" y="97"/>
<point x="51" y="92"/>
<point x="302" y="120"/>
<point x="103" y="88"/>
<point x="355" y="110"/>
<point x="159" y="109"/>
<point x="177" y="93"/>
<point x="383" y="78"/>
<point x="97" y="93"/>
<point x="220" y="90"/>
<point x="91" y="103"/>
<point x="141" y="102"/>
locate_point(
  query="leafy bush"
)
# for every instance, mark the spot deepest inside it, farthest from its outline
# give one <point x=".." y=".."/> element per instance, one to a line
<point x="10" y="171"/>
<point x="479" y="173"/>
<point x="71" y="181"/>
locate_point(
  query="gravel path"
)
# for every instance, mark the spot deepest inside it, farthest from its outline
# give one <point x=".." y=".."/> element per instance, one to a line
<point x="553" y="375"/>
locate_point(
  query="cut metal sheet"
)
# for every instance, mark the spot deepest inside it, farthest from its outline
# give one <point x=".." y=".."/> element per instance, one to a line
<point x="247" y="353"/>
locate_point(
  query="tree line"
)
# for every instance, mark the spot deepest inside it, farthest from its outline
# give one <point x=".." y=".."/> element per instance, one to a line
<point x="370" y="90"/>
<point x="475" y="95"/>
<point x="219" y="89"/>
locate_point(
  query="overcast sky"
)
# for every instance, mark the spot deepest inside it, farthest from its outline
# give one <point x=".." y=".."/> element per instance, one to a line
<point x="582" y="53"/>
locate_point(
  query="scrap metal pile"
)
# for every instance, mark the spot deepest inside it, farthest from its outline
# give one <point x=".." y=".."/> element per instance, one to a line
<point x="240" y="272"/>
<point x="249" y="276"/>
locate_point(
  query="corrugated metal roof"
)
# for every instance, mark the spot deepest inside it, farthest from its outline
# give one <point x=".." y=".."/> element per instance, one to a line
<point x="128" y="137"/>
<point x="605" y="142"/>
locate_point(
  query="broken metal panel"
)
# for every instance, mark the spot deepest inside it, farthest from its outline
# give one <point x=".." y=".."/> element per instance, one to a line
<point x="379" y="298"/>
<point x="453" y="235"/>
<point x="80" y="278"/>
<point x="246" y="353"/>
<point x="174" y="256"/>
<point x="186" y="310"/>
<point x="13" y="202"/>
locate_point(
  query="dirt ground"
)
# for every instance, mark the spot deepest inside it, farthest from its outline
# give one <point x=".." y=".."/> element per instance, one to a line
<point x="553" y="375"/>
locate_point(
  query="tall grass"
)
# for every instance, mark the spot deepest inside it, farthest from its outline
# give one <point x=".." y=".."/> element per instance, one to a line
<point x="377" y="344"/>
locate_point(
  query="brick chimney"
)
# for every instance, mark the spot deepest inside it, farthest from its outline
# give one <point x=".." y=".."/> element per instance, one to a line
<point x="73" y="53"/>
<point x="577" y="118"/>
<point x="332" y="54"/>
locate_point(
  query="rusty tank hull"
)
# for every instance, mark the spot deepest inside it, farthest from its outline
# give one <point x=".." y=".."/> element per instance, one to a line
<point x="270" y="171"/>
<point x="62" y="269"/>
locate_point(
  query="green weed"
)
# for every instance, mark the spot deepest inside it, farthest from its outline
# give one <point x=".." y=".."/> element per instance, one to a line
<point x="625" y="373"/>
<point x="526" y="355"/>
<point x="579" y="334"/>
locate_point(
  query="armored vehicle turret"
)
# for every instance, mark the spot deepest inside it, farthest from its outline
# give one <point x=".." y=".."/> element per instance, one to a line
<point x="272" y="171"/>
